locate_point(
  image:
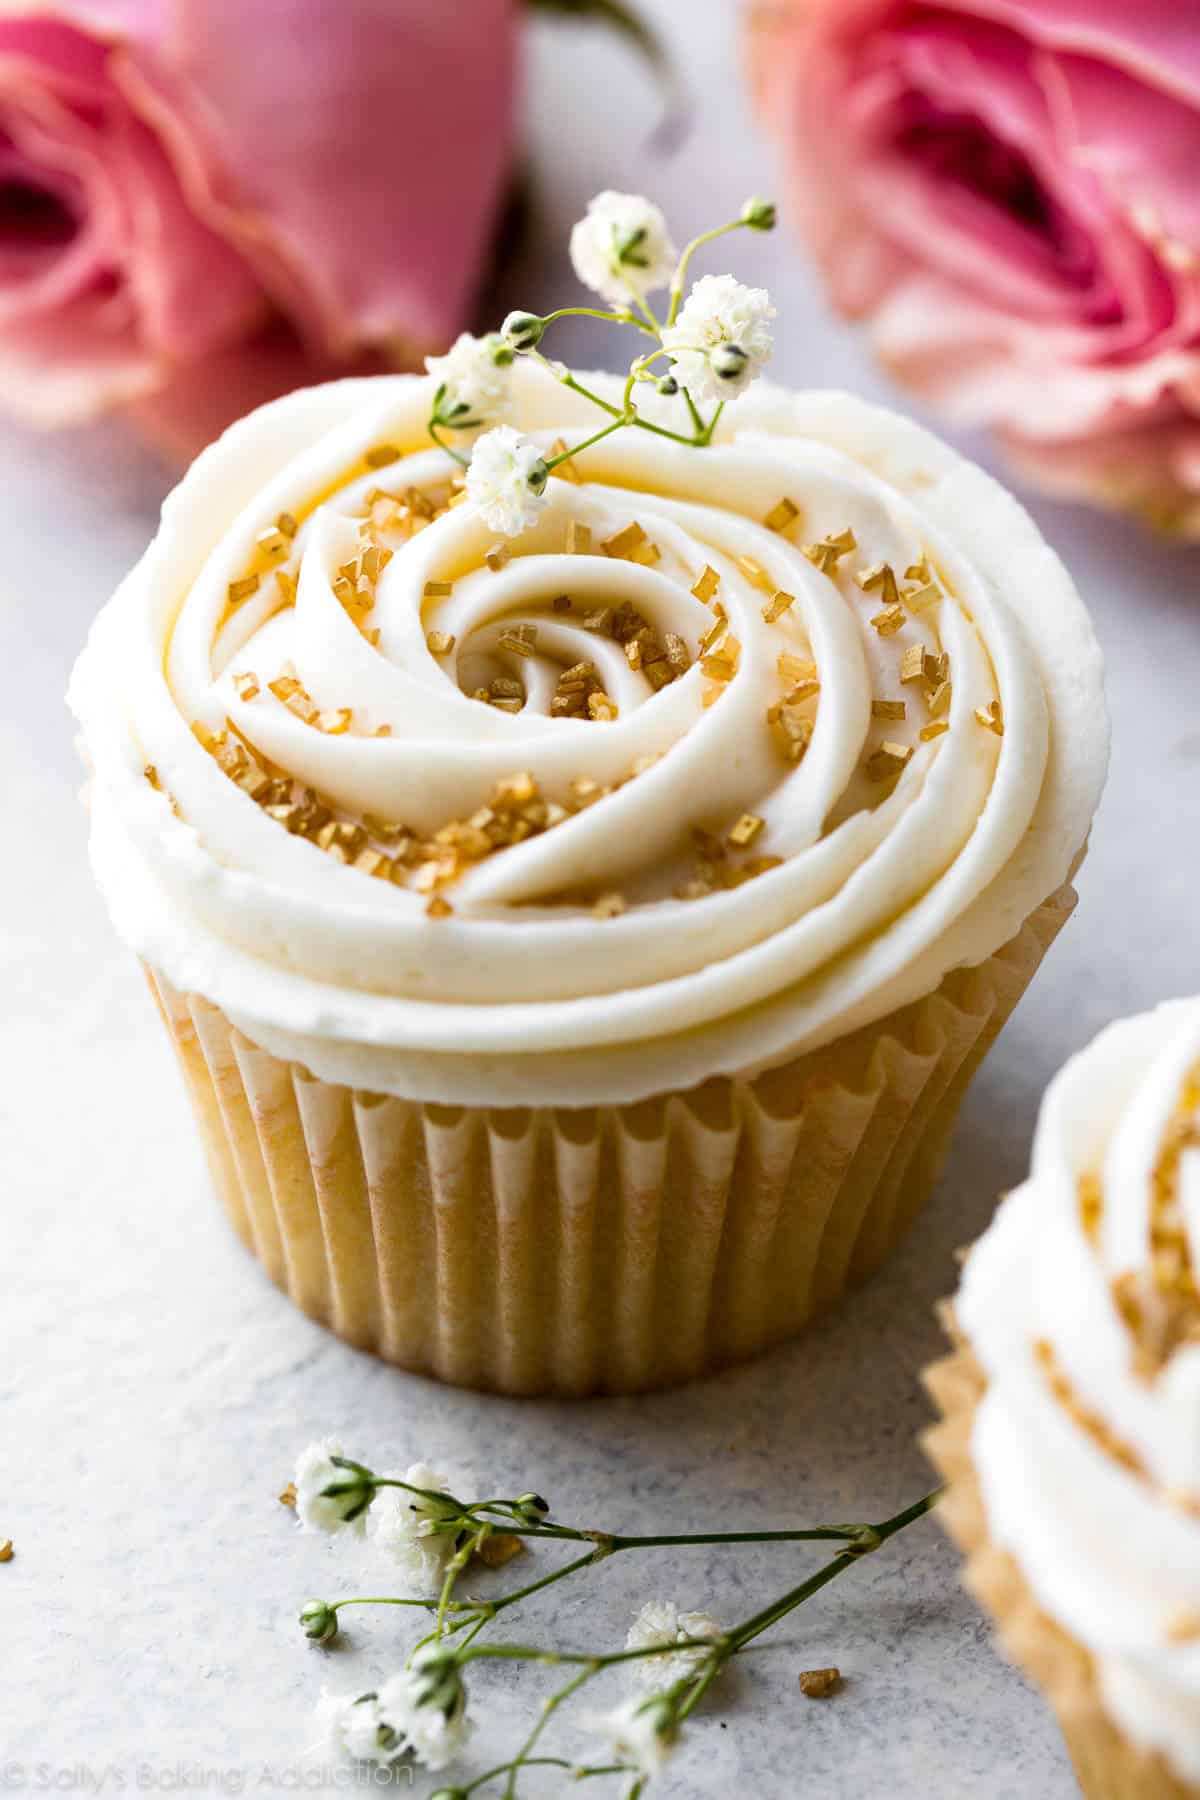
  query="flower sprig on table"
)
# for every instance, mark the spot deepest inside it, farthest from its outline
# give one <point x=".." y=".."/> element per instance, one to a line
<point x="420" y="1714"/>
<point x="708" y="348"/>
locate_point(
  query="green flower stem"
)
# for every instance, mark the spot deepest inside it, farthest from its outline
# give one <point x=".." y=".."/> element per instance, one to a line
<point x="779" y="1609"/>
<point x="463" y="462"/>
<point x="610" y="318"/>
<point x="542" y="1762"/>
<point x="681" y="267"/>
<point x="549" y="1708"/>
<point x="392" y="1600"/>
<point x="617" y="424"/>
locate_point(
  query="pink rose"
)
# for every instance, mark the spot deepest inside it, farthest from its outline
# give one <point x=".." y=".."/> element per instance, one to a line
<point x="203" y="201"/>
<point x="1009" y="190"/>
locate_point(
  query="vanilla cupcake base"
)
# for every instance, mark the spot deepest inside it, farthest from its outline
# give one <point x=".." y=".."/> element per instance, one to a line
<point x="608" y="1249"/>
<point x="1109" y="1765"/>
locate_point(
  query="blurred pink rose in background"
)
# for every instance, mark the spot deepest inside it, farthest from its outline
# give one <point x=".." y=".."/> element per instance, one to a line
<point x="203" y="202"/>
<point x="1009" y="191"/>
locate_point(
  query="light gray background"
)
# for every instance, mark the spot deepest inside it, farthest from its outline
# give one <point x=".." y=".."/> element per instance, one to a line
<point x="155" y="1388"/>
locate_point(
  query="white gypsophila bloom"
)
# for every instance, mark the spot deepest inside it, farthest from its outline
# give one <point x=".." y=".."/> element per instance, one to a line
<point x="661" y="1622"/>
<point x="350" y="1726"/>
<point x="426" y="1710"/>
<point x="721" y="338"/>
<point x="637" y="1731"/>
<point x="401" y="1525"/>
<point x="622" y="246"/>
<point x="315" y="1472"/>
<point x="478" y="389"/>
<point x="507" y="480"/>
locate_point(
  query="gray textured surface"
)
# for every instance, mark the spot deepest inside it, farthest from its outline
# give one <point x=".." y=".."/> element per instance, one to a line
<point x="154" y="1388"/>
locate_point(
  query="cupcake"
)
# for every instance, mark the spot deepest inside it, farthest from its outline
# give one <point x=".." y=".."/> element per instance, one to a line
<point x="1071" y="1407"/>
<point x="577" y="945"/>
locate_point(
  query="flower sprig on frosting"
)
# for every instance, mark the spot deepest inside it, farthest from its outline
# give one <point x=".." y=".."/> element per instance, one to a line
<point x="708" y="348"/>
<point x="419" y="1714"/>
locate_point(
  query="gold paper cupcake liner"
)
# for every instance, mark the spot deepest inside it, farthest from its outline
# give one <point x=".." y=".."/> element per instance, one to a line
<point x="1109" y="1766"/>
<point x="609" y="1249"/>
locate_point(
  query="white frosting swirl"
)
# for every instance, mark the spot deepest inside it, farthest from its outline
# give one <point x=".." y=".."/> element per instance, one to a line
<point x="524" y="995"/>
<point x="1080" y="1303"/>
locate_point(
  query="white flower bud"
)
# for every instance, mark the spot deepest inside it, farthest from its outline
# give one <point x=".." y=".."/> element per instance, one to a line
<point x="523" y="330"/>
<point x="759" y="214"/>
<point x="474" y="383"/>
<point x="507" y="480"/>
<point x="621" y="247"/>
<point x="721" y="338"/>
<point x="318" y="1621"/>
<point x="332" y="1491"/>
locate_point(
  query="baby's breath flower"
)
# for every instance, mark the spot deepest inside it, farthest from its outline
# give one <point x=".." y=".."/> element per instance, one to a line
<point x="420" y="1713"/>
<point x="332" y="1492"/>
<point x="350" y="1725"/>
<point x="475" y="382"/>
<point x="402" y="1526"/>
<point x="661" y="1622"/>
<point x="522" y="330"/>
<point x="507" y="480"/>
<point x="721" y="339"/>
<point x="622" y="246"/>
<point x="640" y="1732"/>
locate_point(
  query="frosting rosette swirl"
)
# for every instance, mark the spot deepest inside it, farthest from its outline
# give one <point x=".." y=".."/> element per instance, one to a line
<point x="1081" y="1305"/>
<point x="734" y="750"/>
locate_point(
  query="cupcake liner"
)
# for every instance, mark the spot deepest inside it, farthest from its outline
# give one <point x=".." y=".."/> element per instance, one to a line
<point x="1109" y="1765"/>
<point x="608" y="1249"/>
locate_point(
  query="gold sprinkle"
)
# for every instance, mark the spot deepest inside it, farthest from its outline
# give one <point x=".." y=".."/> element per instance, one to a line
<point x="889" y="621"/>
<point x="818" y="1684"/>
<point x="381" y="456"/>
<point x="754" y="572"/>
<point x="246" y="685"/>
<point x="715" y="633"/>
<point x="498" y="557"/>
<point x="271" y="541"/>
<point x="335" y="722"/>
<point x="707" y="584"/>
<point x="286" y="525"/>
<point x="237" y="591"/>
<point x="677" y="652"/>
<point x="418" y="503"/>
<point x="151" y="775"/>
<point x="600" y="620"/>
<point x="437" y="590"/>
<point x="208" y="739"/>
<point x="521" y="640"/>
<point x="371" y="633"/>
<point x="711" y="694"/>
<point x="287" y="586"/>
<point x="880" y="575"/>
<point x="939" y="700"/>
<point x="829" y="550"/>
<point x="887" y="761"/>
<point x="561" y="603"/>
<point x="777" y="605"/>
<point x="579" y="538"/>
<point x="919" y="571"/>
<point x="624" y="543"/>
<point x="498" y="1548"/>
<point x="745" y="831"/>
<point x="720" y="665"/>
<point x="887" y="709"/>
<point x="1184" y="1628"/>
<point x="383" y="731"/>
<point x="601" y="707"/>
<point x="928" y="732"/>
<point x="440" y="643"/>
<point x="584" y="790"/>
<point x="369" y="861"/>
<point x="608" y="906"/>
<point x="918" y="599"/>
<point x="288" y="1496"/>
<point x="567" y="468"/>
<point x="438" y="908"/>
<point x="795" y="668"/>
<point x="785" y="512"/>
<point x="6" y="1550"/>
<point x="912" y="663"/>
<point x="989" y="716"/>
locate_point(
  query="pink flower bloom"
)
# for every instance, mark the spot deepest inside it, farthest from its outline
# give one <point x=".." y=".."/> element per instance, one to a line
<point x="178" y="177"/>
<point x="1007" y="190"/>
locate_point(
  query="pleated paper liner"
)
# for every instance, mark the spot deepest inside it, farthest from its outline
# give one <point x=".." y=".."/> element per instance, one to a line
<point x="1109" y="1765"/>
<point x="608" y="1249"/>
